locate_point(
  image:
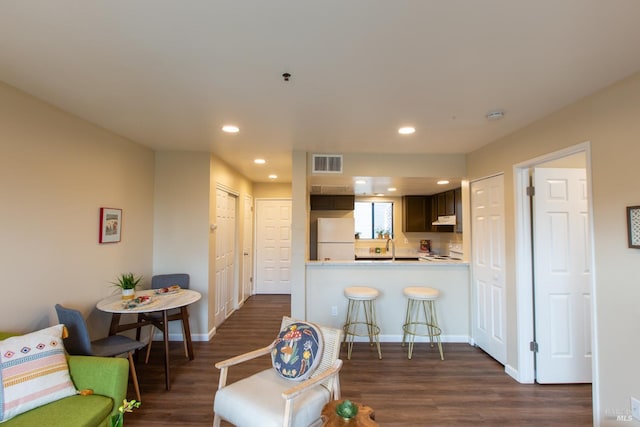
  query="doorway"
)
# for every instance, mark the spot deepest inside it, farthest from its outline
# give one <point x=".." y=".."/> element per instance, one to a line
<point x="561" y="274"/>
<point x="273" y="246"/>
<point x="547" y="314"/>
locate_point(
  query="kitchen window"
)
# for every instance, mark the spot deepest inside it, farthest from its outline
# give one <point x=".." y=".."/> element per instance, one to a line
<point x="373" y="219"/>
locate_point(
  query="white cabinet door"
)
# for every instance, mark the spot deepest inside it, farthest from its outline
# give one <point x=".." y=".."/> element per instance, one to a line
<point x="247" y="251"/>
<point x="488" y="263"/>
<point x="225" y="254"/>
<point x="562" y="276"/>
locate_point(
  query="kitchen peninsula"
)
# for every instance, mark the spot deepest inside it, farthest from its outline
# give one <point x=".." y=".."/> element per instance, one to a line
<point x="326" y="303"/>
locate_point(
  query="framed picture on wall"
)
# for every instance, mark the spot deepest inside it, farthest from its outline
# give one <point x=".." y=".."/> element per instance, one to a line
<point x="110" y="225"/>
<point x="633" y="226"/>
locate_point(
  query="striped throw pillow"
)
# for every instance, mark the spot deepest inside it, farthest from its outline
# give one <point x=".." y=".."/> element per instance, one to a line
<point x="34" y="371"/>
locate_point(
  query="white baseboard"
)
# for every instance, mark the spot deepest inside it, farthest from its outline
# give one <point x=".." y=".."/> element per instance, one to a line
<point x="178" y="336"/>
<point x="398" y="338"/>
<point x="383" y="338"/>
<point x="512" y="372"/>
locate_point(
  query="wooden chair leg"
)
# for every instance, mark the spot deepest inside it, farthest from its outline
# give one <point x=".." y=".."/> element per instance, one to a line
<point x="186" y="350"/>
<point x="134" y="376"/>
<point x="146" y="359"/>
<point x="185" y="331"/>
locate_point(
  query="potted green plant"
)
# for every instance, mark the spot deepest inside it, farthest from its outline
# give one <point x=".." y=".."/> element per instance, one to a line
<point x="127" y="406"/>
<point x="127" y="282"/>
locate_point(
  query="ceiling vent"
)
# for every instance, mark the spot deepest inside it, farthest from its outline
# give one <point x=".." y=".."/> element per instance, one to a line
<point x="327" y="163"/>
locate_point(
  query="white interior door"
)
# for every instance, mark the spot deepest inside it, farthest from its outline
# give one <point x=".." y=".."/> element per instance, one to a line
<point x="247" y="250"/>
<point x="225" y="254"/>
<point x="488" y="264"/>
<point x="562" y="271"/>
<point x="273" y="246"/>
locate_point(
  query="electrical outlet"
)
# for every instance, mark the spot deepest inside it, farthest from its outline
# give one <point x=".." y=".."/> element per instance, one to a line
<point x="334" y="310"/>
<point x="406" y="241"/>
<point x="635" y="408"/>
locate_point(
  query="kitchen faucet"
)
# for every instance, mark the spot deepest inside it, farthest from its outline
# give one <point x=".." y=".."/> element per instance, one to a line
<point x="393" y="248"/>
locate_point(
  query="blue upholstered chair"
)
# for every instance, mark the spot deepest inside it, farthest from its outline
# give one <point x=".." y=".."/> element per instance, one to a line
<point x="79" y="343"/>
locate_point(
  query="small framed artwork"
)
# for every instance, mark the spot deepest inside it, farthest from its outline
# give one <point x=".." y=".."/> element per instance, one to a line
<point x="633" y="226"/>
<point x="110" y="225"/>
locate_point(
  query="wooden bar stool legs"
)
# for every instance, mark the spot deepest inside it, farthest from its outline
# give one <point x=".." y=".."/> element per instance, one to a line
<point x="361" y="317"/>
<point x="421" y="318"/>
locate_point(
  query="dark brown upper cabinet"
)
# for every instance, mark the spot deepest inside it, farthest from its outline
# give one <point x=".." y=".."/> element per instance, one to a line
<point x="324" y="202"/>
<point x="458" y="206"/>
<point x="416" y="212"/>
<point x="419" y="212"/>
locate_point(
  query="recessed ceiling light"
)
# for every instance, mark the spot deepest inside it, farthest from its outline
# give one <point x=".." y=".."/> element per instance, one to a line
<point x="380" y="194"/>
<point x="273" y="176"/>
<point x="391" y="189"/>
<point x="442" y="182"/>
<point x="230" y="129"/>
<point x="406" y="130"/>
<point x="495" y="115"/>
<point x="259" y="161"/>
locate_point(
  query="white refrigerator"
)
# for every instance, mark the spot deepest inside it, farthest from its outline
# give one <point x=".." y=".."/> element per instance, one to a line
<point x="336" y="239"/>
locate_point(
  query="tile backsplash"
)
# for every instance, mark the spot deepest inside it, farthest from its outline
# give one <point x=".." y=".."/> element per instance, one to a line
<point x="409" y="247"/>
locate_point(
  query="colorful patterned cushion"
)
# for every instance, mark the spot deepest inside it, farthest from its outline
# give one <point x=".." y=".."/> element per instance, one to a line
<point x="34" y="371"/>
<point x="298" y="351"/>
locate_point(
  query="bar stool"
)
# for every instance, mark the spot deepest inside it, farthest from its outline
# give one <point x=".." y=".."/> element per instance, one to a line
<point x="421" y="301"/>
<point x="361" y="314"/>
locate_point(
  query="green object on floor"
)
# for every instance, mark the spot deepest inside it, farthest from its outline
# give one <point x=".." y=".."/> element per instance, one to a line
<point x="347" y="409"/>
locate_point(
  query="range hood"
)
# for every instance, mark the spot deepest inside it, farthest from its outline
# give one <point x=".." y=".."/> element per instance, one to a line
<point x="445" y="220"/>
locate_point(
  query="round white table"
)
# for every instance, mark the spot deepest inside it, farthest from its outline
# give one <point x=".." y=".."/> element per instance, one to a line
<point x="159" y="303"/>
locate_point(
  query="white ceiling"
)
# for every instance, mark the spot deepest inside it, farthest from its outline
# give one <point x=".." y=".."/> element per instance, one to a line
<point x="168" y="74"/>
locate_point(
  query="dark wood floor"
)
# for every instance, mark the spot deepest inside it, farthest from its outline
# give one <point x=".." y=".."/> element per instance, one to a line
<point x="467" y="388"/>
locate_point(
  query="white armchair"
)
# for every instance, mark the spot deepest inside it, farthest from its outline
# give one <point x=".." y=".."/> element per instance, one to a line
<point x="266" y="399"/>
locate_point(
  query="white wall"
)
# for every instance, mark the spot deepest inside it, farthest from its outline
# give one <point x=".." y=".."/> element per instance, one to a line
<point x="56" y="171"/>
<point x="181" y="228"/>
<point x="185" y="206"/>
<point x="276" y="190"/>
<point x="404" y="165"/>
<point x="609" y="120"/>
<point x="326" y="282"/>
<point x="299" y="233"/>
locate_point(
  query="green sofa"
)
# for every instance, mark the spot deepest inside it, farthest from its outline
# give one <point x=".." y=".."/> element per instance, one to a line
<point x="106" y="376"/>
